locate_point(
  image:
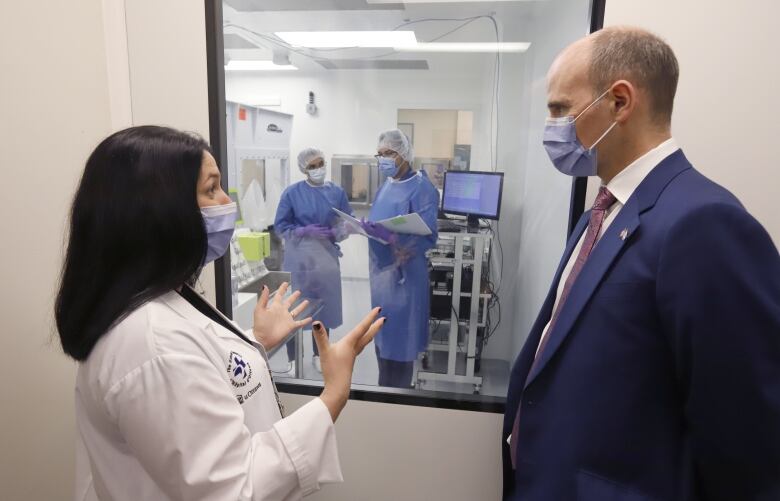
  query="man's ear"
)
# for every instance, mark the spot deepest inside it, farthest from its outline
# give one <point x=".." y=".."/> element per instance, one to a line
<point x="623" y="101"/>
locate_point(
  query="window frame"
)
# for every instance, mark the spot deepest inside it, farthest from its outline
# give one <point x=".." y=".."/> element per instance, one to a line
<point x="215" y="62"/>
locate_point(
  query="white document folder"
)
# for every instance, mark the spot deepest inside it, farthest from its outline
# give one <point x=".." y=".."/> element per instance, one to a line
<point x="409" y="224"/>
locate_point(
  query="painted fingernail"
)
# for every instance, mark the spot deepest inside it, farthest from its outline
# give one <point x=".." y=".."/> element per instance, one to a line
<point x="317" y="326"/>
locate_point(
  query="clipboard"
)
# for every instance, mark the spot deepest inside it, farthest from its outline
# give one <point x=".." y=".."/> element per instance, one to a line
<point x="354" y="225"/>
<point x="409" y="224"/>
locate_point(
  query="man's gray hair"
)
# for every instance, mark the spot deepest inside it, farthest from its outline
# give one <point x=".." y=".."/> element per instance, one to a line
<point x="642" y="58"/>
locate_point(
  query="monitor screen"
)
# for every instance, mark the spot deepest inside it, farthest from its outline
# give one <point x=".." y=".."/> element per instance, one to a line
<point x="472" y="193"/>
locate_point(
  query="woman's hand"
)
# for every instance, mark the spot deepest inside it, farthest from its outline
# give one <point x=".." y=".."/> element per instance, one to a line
<point x="338" y="359"/>
<point x="274" y="321"/>
<point x="376" y="230"/>
<point x="314" y="231"/>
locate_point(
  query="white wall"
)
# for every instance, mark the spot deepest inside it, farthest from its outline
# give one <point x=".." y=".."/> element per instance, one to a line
<point x="355" y="106"/>
<point x="55" y="108"/>
<point x="166" y="44"/>
<point x="435" y="131"/>
<point x="726" y="105"/>
<point x="67" y="85"/>
<point x="399" y="452"/>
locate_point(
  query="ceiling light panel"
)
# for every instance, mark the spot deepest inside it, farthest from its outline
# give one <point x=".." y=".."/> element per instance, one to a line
<point x="311" y="5"/>
<point x="466" y="47"/>
<point x="373" y="64"/>
<point x="381" y="2"/>
<point x="343" y="39"/>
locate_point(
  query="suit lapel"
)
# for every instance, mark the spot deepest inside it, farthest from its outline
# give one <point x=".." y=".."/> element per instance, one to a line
<point x="549" y="302"/>
<point x="526" y="357"/>
<point x="609" y="246"/>
<point x="607" y="249"/>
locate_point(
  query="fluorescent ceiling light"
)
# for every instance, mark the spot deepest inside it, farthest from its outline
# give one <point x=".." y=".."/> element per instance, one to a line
<point x="342" y="39"/>
<point x="234" y="65"/>
<point x="466" y="47"/>
<point x="438" y="1"/>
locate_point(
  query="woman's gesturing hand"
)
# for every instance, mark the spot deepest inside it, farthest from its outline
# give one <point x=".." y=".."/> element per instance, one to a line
<point x="338" y="359"/>
<point x="274" y="320"/>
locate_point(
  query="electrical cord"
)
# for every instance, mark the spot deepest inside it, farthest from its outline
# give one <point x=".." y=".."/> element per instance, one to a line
<point x="467" y="21"/>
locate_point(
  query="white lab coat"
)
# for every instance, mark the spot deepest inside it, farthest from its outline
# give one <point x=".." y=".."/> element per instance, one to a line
<point x="164" y="414"/>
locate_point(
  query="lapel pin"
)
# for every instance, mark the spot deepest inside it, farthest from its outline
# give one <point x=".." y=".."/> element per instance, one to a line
<point x="624" y="234"/>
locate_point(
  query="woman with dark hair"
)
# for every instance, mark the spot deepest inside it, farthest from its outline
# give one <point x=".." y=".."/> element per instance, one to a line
<point x="173" y="401"/>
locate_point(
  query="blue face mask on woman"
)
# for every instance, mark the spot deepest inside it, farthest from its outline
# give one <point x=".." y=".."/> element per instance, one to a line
<point x="316" y="176"/>
<point x="567" y="153"/>
<point x="388" y="167"/>
<point x="220" y="222"/>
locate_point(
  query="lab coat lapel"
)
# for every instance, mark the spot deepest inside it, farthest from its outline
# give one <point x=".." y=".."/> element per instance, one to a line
<point x="604" y="253"/>
<point x="182" y="307"/>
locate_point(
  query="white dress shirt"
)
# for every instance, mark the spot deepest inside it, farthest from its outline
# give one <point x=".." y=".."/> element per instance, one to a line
<point x="622" y="187"/>
<point x="170" y="405"/>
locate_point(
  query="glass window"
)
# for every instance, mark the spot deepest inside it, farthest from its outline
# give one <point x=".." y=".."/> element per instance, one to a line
<point x="427" y="110"/>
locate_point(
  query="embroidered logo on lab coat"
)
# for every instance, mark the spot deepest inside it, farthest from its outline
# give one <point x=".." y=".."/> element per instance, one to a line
<point x="239" y="370"/>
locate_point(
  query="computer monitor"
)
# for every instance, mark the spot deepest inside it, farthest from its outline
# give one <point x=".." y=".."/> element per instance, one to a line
<point x="473" y="194"/>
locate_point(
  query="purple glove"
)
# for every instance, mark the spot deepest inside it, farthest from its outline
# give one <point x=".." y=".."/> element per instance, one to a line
<point x="314" y="231"/>
<point x="378" y="231"/>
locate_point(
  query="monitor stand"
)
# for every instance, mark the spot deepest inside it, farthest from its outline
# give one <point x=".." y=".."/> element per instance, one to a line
<point x="472" y="224"/>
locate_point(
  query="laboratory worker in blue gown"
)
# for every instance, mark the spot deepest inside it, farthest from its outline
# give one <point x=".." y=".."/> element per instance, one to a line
<point x="399" y="269"/>
<point x="311" y="232"/>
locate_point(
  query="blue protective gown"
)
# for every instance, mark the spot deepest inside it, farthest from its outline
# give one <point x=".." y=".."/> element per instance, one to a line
<point x="313" y="262"/>
<point x="403" y="290"/>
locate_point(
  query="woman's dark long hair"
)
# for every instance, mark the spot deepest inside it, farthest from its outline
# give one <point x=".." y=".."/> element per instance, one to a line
<point x="136" y="231"/>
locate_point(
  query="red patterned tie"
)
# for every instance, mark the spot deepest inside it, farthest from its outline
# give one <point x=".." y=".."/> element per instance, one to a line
<point x="604" y="201"/>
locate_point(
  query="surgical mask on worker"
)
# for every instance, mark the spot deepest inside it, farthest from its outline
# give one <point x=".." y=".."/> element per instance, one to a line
<point x="388" y="167"/>
<point x="316" y="176"/>
<point x="220" y="222"/>
<point x="567" y="153"/>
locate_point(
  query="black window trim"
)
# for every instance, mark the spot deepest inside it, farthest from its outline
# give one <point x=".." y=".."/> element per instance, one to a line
<point x="215" y="59"/>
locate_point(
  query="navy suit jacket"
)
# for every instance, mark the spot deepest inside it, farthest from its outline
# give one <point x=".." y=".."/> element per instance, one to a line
<point x="661" y="377"/>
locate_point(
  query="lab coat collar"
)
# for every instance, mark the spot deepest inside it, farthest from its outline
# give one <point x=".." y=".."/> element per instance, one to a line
<point x="184" y="309"/>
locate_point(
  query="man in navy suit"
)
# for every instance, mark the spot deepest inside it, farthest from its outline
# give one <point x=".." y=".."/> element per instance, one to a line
<point x="653" y="369"/>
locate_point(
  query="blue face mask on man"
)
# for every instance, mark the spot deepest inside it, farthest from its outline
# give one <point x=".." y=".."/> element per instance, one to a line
<point x="388" y="167"/>
<point x="567" y="153"/>
<point x="220" y="222"/>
